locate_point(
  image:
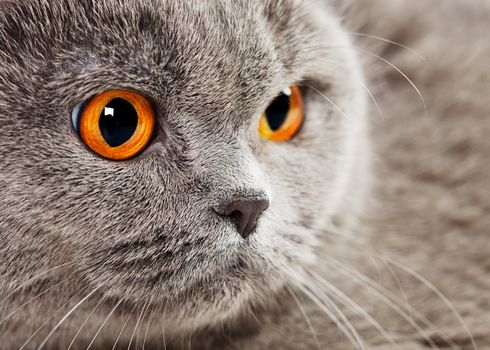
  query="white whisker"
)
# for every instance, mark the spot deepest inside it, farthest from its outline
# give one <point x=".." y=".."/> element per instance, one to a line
<point x="387" y="298"/>
<point x="341" y="322"/>
<point x="355" y="307"/>
<point x="143" y="309"/>
<point x="46" y="322"/>
<point x="32" y="279"/>
<point x="103" y="324"/>
<point x="383" y="292"/>
<point x="55" y="328"/>
<point x="305" y="315"/>
<point x="371" y="95"/>
<point x="123" y="327"/>
<point x="189" y="343"/>
<point x="298" y="283"/>
<point x="163" y="328"/>
<point x="421" y="97"/>
<point x="148" y="327"/>
<point x="6" y="318"/>
<point x="85" y="322"/>
<point x="328" y="100"/>
<point x="441" y="296"/>
<point x="389" y="42"/>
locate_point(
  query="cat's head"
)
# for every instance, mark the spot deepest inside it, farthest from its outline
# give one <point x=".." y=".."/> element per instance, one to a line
<point x="164" y="226"/>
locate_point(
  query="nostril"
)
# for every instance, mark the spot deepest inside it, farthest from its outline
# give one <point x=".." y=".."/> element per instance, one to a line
<point x="244" y="214"/>
<point x="236" y="217"/>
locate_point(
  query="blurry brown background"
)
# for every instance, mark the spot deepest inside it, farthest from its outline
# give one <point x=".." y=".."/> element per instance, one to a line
<point x="433" y="168"/>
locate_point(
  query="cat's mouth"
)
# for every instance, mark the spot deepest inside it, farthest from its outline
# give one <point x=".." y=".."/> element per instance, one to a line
<point x="179" y="275"/>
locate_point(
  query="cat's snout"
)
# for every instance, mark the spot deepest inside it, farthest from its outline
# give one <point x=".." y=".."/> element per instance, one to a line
<point x="244" y="213"/>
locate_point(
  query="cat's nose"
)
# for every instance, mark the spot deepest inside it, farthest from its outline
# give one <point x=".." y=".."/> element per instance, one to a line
<point x="244" y="213"/>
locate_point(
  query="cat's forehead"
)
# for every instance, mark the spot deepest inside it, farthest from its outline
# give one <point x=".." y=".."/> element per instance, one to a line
<point x="177" y="44"/>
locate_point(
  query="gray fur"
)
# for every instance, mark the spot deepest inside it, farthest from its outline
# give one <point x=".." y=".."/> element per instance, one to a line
<point x="144" y="231"/>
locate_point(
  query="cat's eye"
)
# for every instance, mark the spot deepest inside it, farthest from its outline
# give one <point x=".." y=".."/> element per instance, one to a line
<point x="116" y="124"/>
<point x="284" y="117"/>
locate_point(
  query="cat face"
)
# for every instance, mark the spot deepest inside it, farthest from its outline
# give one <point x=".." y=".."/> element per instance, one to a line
<point x="148" y="229"/>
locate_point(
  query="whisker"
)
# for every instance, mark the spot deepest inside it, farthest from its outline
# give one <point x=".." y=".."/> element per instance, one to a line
<point x="389" y="42"/>
<point x="305" y="315"/>
<point x="371" y="95"/>
<point x="189" y="343"/>
<point x="441" y="296"/>
<point x="85" y="322"/>
<point x="32" y="279"/>
<point x="6" y="318"/>
<point x="55" y="328"/>
<point x="400" y="287"/>
<point x="366" y="89"/>
<point x="162" y="320"/>
<point x="103" y="324"/>
<point x="70" y="276"/>
<point x="123" y="327"/>
<point x="398" y="70"/>
<point x="143" y="309"/>
<point x="251" y="313"/>
<point x="393" y="305"/>
<point x="386" y="260"/>
<point x="421" y="97"/>
<point x="345" y="326"/>
<point x="148" y="327"/>
<point x="328" y="100"/>
<point x="355" y="307"/>
<point x="392" y="273"/>
<point x="46" y="322"/>
<point x="389" y="299"/>
<point x="349" y="325"/>
<point x="421" y="318"/>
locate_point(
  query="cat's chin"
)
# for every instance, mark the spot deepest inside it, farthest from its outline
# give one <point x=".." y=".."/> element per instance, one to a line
<point x="225" y="280"/>
<point x="224" y="294"/>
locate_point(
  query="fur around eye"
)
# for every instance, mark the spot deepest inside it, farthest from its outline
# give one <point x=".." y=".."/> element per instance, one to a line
<point x="116" y="124"/>
<point x="284" y="117"/>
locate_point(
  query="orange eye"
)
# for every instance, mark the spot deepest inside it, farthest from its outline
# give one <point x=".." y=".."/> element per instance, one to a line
<point x="116" y="124"/>
<point x="284" y="116"/>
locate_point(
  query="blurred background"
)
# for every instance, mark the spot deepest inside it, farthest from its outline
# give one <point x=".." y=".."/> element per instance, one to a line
<point x="427" y="64"/>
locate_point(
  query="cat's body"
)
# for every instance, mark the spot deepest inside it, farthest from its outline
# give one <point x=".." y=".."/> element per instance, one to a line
<point x="142" y="230"/>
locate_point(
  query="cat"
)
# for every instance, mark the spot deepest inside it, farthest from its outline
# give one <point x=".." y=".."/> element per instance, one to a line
<point x="214" y="236"/>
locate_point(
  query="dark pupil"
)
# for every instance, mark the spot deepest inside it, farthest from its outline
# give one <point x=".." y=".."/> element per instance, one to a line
<point x="277" y="112"/>
<point x="118" y="122"/>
